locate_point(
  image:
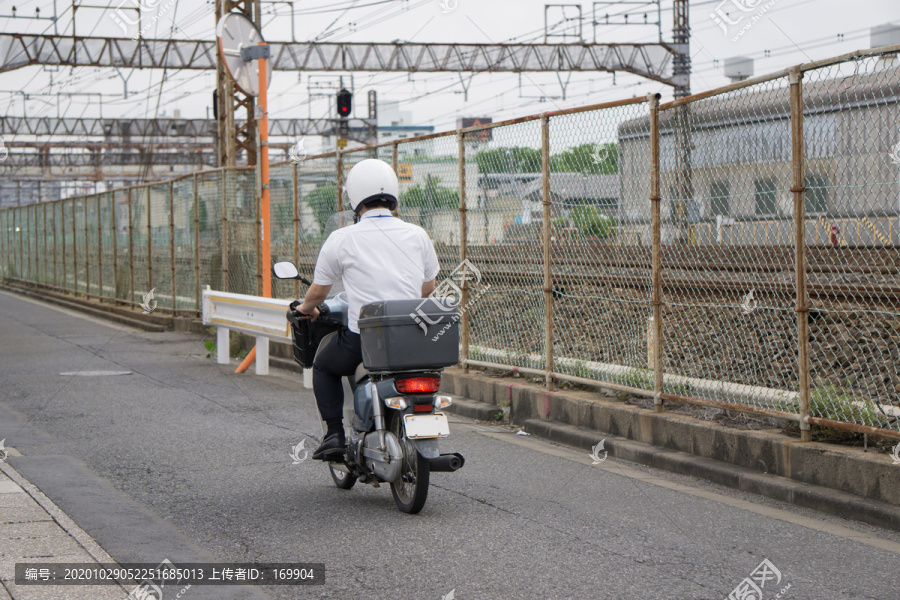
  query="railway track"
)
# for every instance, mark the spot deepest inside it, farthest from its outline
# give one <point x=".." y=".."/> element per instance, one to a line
<point x="863" y="276"/>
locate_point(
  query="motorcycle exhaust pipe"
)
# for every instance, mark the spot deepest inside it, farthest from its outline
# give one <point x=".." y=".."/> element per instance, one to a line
<point x="447" y="463"/>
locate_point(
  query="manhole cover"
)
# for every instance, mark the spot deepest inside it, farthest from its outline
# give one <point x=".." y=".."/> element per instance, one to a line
<point x="94" y="373"/>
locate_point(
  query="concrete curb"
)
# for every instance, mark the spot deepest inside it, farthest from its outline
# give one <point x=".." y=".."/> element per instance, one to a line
<point x="835" y="479"/>
<point x="841" y="504"/>
<point x="152" y="323"/>
<point x="480" y="411"/>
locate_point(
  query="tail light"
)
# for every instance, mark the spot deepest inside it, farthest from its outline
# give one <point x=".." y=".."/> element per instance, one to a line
<point x="418" y="385"/>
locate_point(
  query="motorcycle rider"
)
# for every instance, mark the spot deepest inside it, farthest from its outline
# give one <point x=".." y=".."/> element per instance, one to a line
<point x="378" y="258"/>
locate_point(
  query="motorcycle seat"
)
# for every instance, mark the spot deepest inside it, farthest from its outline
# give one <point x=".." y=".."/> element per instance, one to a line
<point x="360" y="374"/>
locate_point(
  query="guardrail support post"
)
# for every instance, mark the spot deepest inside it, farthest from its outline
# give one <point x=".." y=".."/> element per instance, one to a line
<point x="656" y="251"/>
<point x="262" y="355"/>
<point x="222" y="345"/>
<point x="798" y="188"/>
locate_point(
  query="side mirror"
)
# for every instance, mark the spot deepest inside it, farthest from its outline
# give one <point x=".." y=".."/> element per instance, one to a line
<point x="285" y="270"/>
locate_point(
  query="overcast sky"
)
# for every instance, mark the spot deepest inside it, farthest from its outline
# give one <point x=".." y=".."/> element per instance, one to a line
<point x="790" y="32"/>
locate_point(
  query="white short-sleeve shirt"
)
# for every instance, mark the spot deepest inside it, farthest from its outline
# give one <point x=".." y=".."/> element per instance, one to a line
<point x="379" y="258"/>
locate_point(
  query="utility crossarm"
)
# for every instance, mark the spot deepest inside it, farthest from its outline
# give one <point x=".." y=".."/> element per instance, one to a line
<point x="653" y="61"/>
<point x="162" y="127"/>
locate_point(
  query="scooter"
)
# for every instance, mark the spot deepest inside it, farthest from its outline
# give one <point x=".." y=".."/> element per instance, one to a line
<point x="397" y="419"/>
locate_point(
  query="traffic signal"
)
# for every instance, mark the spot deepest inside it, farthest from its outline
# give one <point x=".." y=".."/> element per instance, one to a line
<point x="344" y="103"/>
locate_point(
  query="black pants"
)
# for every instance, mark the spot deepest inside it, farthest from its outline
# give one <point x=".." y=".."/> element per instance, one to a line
<point x="338" y="358"/>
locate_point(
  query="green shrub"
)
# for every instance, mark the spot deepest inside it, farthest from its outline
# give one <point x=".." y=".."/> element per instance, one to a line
<point x="593" y="223"/>
<point x="837" y="404"/>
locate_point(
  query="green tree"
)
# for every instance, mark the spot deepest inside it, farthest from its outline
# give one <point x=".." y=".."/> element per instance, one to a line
<point x="594" y="159"/>
<point x="431" y="196"/>
<point x="323" y="201"/>
<point x="509" y="160"/>
<point x="202" y="220"/>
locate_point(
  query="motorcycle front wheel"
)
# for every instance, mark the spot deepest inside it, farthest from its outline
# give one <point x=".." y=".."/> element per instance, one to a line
<point x="343" y="480"/>
<point x="411" y="490"/>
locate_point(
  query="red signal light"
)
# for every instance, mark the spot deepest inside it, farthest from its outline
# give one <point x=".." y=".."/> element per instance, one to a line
<point x="344" y="103"/>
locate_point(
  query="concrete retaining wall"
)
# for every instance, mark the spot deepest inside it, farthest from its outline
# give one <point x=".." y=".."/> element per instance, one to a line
<point x="870" y="475"/>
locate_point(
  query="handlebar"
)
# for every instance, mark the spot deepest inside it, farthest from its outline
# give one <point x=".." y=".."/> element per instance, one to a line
<point x="324" y="311"/>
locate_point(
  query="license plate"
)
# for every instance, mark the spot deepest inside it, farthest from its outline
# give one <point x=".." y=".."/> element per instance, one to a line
<point x="427" y="426"/>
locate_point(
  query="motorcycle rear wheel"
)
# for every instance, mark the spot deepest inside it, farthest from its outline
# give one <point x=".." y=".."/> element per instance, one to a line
<point x="411" y="490"/>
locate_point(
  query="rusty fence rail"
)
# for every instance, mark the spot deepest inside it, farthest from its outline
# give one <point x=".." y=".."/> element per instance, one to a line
<point x="737" y="248"/>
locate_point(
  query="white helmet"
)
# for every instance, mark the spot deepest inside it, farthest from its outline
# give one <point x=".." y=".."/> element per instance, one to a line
<point x="370" y="180"/>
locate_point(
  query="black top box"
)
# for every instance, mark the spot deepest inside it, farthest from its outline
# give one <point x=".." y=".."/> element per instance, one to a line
<point x="406" y="335"/>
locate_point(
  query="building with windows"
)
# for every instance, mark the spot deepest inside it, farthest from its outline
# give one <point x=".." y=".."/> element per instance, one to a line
<point x="738" y="161"/>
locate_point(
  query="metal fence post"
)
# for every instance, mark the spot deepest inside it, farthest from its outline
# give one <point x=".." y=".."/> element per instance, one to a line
<point x="463" y="254"/>
<point x="798" y="188"/>
<point x="172" y="242"/>
<point x="62" y="235"/>
<point x="74" y="253"/>
<point x="224" y="232"/>
<point x="19" y="230"/>
<point x="257" y="232"/>
<point x="35" y="259"/>
<point x="130" y="253"/>
<point x="44" y="232"/>
<point x="149" y="241"/>
<point x="395" y="155"/>
<point x="115" y="244"/>
<point x="395" y="164"/>
<point x="55" y="278"/>
<point x="87" y="253"/>
<point x="295" y="191"/>
<point x="548" y="279"/>
<point x="27" y="231"/>
<point x="656" y="250"/>
<point x="99" y="252"/>
<point x="20" y="233"/>
<point x="196" y="244"/>
<point x="340" y="180"/>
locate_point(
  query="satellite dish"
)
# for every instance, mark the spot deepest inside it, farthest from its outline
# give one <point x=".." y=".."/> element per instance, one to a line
<point x="235" y="31"/>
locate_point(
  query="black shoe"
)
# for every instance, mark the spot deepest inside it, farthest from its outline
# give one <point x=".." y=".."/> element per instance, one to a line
<point x="332" y="447"/>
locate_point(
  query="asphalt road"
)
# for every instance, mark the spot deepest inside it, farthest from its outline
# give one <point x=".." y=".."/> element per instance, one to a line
<point x="182" y="459"/>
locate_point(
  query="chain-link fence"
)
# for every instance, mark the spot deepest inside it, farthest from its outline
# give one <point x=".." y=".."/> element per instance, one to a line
<point x="737" y="248"/>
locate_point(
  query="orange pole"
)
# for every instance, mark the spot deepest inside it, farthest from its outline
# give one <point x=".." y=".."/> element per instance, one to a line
<point x="264" y="164"/>
<point x="248" y="360"/>
<point x="266" y="259"/>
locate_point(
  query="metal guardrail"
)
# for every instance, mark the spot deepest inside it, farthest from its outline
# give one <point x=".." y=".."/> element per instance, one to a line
<point x="263" y="318"/>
